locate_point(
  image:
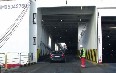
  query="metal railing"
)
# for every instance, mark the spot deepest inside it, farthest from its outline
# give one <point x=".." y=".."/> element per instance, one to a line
<point x="45" y="47"/>
<point x="13" y="59"/>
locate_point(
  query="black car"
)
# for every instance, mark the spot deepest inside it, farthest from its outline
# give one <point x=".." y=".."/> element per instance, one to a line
<point x="57" y="56"/>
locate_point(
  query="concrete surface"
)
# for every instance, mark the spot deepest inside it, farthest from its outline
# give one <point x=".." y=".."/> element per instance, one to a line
<point x="72" y="65"/>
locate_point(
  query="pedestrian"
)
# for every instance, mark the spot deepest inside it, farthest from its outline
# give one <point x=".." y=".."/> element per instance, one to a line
<point x="82" y="56"/>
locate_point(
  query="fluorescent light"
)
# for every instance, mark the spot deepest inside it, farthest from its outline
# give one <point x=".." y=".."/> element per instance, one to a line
<point x="81" y="7"/>
<point x="113" y="27"/>
<point x="80" y="19"/>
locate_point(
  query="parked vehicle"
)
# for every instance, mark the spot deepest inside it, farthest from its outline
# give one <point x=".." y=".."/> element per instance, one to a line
<point x="57" y="56"/>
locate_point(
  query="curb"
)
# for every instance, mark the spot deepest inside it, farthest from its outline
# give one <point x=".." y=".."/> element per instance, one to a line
<point x="5" y="70"/>
<point x="29" y="64"/>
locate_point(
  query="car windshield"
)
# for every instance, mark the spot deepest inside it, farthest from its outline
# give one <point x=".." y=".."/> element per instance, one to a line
<point x="57" y="52"/>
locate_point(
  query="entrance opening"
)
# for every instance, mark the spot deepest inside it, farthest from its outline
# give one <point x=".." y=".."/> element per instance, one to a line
<point x="62" y="23"/>
<point x="63" y="28"/>
<point x="108" y="38"/>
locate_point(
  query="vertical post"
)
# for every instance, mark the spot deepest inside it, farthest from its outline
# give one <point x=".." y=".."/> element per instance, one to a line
<point x="99" y="40"/>
<point x="6" y="61"/>
<point x="29" y="59"/>
<point x="0" y="67"/>
<point x="20" y="59"/>
<point x="33" y="30"/>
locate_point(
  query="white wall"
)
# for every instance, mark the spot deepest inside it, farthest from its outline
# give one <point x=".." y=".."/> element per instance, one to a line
<point x="89" y="30"/>
<point x="57" y="3"/>
<point x="39" y="27"/>
<point x="81" y="30"/>
<point x="106" y="3"/>
<point x="107" y="12"/>
<point x="103" y="12"/>
<point x="33" y="32"/>
<point x="92" y="32"/>
<point x="20" y="38"/>
<point x="44" y="39"/>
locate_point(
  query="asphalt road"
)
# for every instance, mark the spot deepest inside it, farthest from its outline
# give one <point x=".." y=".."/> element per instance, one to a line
<point x="70" y="66"/>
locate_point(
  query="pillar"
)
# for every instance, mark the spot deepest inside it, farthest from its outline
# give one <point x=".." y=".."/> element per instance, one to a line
<point x="33" y="32"/>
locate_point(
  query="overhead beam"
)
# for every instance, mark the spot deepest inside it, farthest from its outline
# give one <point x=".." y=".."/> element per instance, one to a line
<point x="65" y="10"/>
<point x="66" y="16"/>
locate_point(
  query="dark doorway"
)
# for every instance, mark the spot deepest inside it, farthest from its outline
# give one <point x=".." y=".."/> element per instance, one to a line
<point x="108" y="39"/>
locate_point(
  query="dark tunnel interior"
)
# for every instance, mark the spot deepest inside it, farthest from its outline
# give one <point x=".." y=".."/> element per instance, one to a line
<point x="108" y="39"/>
<point x="63" y="28"/>
<point x="62" y="23"/>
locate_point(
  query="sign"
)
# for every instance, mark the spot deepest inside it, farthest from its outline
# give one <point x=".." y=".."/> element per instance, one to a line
<point x="13" y="6"/>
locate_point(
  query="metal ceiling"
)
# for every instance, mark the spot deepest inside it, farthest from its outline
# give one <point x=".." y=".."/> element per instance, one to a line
<point x="62" y="27"/>
<point x="62" y="22"/>
<point x="109" y="27"/>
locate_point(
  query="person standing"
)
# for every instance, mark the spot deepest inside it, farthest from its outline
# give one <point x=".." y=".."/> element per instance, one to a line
<point x="82" y="56"/>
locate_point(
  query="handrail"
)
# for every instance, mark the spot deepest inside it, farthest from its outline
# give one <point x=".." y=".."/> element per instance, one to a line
<point x="48" y="48"/>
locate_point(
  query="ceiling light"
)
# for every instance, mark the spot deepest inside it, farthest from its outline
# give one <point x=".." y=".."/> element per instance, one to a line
<point x="80" y="19"/>
<point x="61" y="20"/>
<point x="54" y="27"/>
<point x="113" y="27"/>
<point x="42" y="20"/>
<point x="108" y="36"/>
<point x="81" y="7"/>
<point x="109" y="44"/>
